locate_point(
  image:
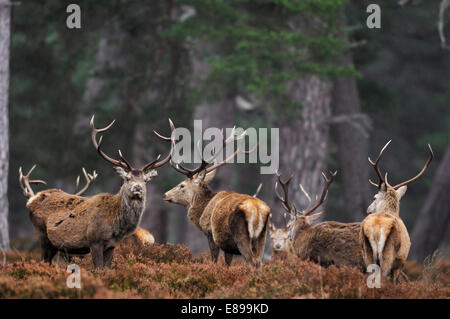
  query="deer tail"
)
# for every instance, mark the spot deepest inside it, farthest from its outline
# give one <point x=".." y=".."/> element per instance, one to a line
<point x="376" y="230"/>
<point x="256" y="214"/>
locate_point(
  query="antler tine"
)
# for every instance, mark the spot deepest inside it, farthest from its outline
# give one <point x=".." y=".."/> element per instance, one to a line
<point x="188" y="172"/>
<point x="124" y="160"/>
<point x="219" y="164"/>
<point x="290" y="208"/>
<point x="375" y="166"/>
<point x="24" y="182"/>
<point x="89" y="179"/>
<point x="177" y="167"/>
<point x="97" y="145"/>
<point x="77" y="183"/>
<point x="155" y="163"/>
<point x="306" y="195"/>
<point x="425" y="167"/>
<point x="324" y="192"/>
<point x="257" y="190"/>
<point x="252" y="150"/>
<point x="226" y="141"/>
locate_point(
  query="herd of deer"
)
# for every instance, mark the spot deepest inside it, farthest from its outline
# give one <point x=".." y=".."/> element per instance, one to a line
<point x="235" y="223"/>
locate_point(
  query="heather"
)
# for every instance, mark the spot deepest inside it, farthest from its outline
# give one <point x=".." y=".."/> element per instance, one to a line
<point x="168" y="271"/>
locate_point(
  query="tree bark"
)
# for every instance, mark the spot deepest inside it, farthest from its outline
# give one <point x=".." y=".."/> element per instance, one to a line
<point x="5" y="29"/>
<point x="304" y="143"/>
<point x="432" y="222"/>
<point x="352" y="139"/>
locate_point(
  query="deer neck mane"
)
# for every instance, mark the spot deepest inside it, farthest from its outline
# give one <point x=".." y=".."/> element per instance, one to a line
<point x="302" y="238"/>
<point x="129" y="214"/>
<point x="198" y="204"/>
<point x="391" y="203"/>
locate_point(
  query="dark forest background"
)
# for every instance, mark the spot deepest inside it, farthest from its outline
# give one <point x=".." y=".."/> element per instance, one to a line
<point x="337" y="90"/>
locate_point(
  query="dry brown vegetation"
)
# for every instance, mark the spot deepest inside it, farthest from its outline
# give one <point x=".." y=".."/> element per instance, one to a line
<point x="168" y="271"/>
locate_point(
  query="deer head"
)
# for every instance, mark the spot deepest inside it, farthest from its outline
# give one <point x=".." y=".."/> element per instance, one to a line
<point x="134" y="186"/>
<point x="197" y="178"/>
<point x="388" y="197"/>
<point x="279" y="238"/>
<point x="300" y="220"/>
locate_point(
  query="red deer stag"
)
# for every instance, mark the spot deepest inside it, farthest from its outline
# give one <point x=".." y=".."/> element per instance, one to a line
<point x="326" y="243"/>
<point x="79" y="225"/>
<point x="140" y="237"/>
<point x="383" y="235"/>
<point x="235" y="223"/>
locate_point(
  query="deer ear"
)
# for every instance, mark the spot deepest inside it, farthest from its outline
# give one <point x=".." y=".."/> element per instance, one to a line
<point x="401" y="191"/>
<point x="121" y="172"/>
<point x="271" y="227"/>
<point x="209" y="177"/>
<point x="150" y="174"/>
<point x="312" y="218"/>
<point x="198" y="178"/>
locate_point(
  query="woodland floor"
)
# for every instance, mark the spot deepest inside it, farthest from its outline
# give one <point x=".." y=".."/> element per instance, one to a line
<point x="167" y="271"/>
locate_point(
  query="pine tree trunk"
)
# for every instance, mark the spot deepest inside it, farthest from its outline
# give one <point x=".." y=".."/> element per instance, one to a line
<point x="304" y="143"/>
<point x="5" y="22"/>
<point x="352" y="139"/>
<point x="432" y="222"/>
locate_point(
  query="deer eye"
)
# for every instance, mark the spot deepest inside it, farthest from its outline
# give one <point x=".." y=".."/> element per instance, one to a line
<point x="182" y="186"/>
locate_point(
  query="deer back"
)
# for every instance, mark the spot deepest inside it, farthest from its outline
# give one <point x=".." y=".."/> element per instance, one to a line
<point x="221" y="210"/>
<point x="331" y="243"/>
<point x="71" y="218"/>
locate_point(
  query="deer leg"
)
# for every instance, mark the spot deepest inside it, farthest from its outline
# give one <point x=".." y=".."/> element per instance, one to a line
<point x="367" y="253"/>
<point x="213" y="249"/>
<point x="242" y="239"/>
<point x="228" y="258"/>
<point x="397" y="274"/>
<point x="259" y="244"/>
<point x="108" y="256"/>
<point x="48" y="251"/>
<point x="388" y="259"/>
<point x="97" y="255"/>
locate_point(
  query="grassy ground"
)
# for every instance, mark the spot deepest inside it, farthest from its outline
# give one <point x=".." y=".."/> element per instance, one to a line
<point x="167" y="271"/>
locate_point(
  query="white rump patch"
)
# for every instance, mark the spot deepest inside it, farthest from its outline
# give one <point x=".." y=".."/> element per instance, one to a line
<point x="250" y="225"/>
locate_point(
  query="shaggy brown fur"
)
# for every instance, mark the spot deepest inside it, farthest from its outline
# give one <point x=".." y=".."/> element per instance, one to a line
<point x="328" y="243"/>
<point x="233" y="222"/>
<point x="78" y="225"/>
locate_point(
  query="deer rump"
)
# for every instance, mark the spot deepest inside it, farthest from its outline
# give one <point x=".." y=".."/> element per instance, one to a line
<point x="231" y="218"/>
<point x="68" y="221"/>
<point x="333" y="243"/>
<point x="384" y="236"/>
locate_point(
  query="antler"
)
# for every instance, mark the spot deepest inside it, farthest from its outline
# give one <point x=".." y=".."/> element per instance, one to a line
<point x="203" y="166"/>
<point x="430" y="158"/>
<point x="124" y="164"/>
<point x="155" y="163"/>
<point x="290" y="208"/>
<point x="24" y="182"/>
<point x="306" y="195"/>
<point x="89" y="179"/>
<point x="324" y="192"/>
<point x="377" y="170"/>
<point x="257" y="190"/>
